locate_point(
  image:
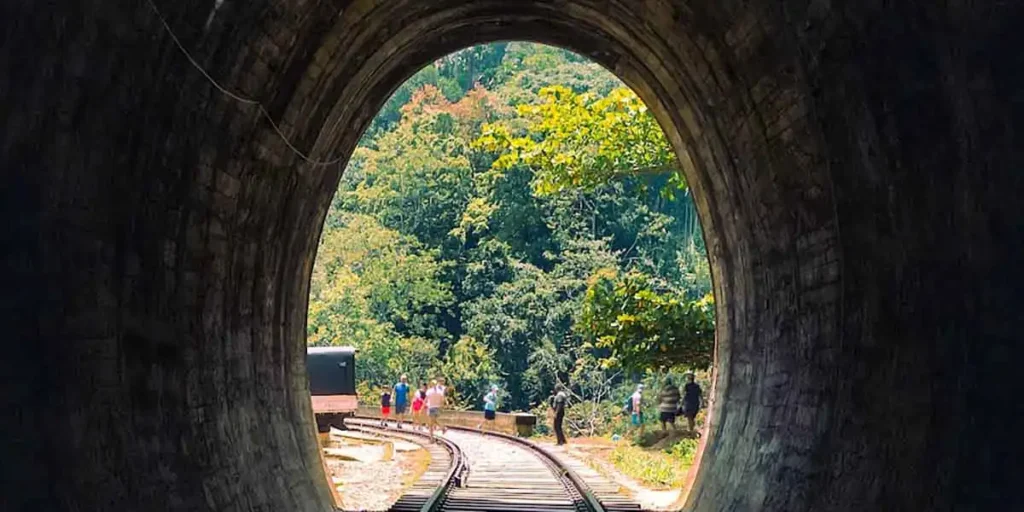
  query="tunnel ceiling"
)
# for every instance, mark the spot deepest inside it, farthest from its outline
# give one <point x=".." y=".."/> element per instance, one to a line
<point x="856" y="165"/>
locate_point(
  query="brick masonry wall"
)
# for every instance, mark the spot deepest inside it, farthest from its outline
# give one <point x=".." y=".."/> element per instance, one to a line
<point x="856" y="167"/>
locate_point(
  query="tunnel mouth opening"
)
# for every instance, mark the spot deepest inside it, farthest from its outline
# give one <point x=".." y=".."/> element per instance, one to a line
<point x="424" y="91"/>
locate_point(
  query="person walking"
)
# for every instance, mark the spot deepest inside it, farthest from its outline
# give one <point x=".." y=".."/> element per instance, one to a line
<point x="636" y="401"/>
<point x="418" y="406"/>
<point x="435" y="400"/>
<point x="490" y="408"/>
<point x="668" y="404"/>
<point x="691" y="400"/>
<point x="443" y="389"/>
<point x="558" y="403"/>
<point x="385" y="407"/>
<point x="401" y="395"/>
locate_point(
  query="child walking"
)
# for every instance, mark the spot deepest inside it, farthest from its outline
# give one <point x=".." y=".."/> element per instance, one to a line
<point x="418" y="401"/>
<point x="385" y="407"/>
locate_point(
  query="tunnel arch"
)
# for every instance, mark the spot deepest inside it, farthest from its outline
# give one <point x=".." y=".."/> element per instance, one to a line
<point x="646" y="65"/>
<point x="163" y="237"/>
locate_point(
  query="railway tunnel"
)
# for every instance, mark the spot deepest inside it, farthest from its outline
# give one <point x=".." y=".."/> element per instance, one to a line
<point x="856" y="167"/>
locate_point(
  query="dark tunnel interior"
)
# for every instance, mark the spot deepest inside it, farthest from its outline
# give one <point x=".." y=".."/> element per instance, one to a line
<point x="857" y="168"/>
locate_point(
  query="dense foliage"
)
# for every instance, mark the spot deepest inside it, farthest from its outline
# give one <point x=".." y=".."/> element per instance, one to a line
<point x="581" y="141"/>
<point x="508" y="208"/>
<point x="645" y="324"/>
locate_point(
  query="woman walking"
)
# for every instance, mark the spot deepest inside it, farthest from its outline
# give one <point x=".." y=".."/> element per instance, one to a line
<point x="490" y="408"/>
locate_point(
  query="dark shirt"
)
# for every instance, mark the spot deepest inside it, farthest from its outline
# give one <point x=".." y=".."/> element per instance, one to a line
<point x="559" y="402"/>
<point x="385" y="399"/>
<point x="691" y="396"/>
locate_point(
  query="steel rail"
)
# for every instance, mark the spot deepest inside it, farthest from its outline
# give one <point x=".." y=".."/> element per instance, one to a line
<point x="456" y="472"/>
<point x="560" y="470"/>
<point x="574" y="485"/>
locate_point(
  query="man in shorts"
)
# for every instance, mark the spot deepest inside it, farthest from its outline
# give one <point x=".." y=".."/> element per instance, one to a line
<point x="435" y="400"/>
<point x="401" y="396"/>
<point x="668" y="404"/>
<point x="385" y="407"/>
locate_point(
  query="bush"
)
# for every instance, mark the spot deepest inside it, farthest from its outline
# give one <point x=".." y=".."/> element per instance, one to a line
<point x="684" y="450"/>
<point x="543" y="426"/>
<point x="652" y="387"/>
<point x="584" y="419"/>
<point x="659" y="468"/>
<point x="650" y="468"/>
<point x="590" y="419"/>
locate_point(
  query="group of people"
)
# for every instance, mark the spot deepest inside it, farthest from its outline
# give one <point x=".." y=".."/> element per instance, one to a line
<point x="427" y="404"/>
<point x="426" y="401"/>
<point x="669" y="406"/>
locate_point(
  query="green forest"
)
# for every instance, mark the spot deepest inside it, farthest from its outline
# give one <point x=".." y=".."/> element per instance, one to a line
<point x="514" y="215"/>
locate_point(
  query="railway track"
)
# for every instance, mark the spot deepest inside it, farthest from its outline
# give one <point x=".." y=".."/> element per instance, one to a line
<point x="446" y="471"/>
<point x="493" y="472"/>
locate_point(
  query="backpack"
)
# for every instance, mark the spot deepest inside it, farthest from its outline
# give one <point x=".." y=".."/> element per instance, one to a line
<point x="628" y="408"/>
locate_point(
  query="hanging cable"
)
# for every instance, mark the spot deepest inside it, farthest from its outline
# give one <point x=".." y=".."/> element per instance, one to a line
<point x="238" y="97"/>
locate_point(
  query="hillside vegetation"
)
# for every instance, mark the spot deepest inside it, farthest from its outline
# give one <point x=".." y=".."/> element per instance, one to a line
<point x="514" y="215"/>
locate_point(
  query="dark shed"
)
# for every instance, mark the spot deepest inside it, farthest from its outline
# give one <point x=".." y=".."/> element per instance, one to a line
<point x="331" y="370"/>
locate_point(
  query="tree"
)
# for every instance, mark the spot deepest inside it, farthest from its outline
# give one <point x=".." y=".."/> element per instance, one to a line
<point x="581" y="141"/>
<point x="519" y="314"/>
<point x="445" y="252"/>
<point x="473" y="65"/>
<point x="527" y="68"/>
<point x="378" y="291"/>
<point x="470" y="369"/>
<point x="391" y="113"/>
<point x="646" y="327"/>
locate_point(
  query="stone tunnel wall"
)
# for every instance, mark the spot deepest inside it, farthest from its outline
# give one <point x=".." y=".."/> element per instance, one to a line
<point x="857" y="170"/>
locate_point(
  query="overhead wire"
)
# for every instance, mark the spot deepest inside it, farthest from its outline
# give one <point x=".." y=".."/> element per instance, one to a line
<point x="238" y="97"/>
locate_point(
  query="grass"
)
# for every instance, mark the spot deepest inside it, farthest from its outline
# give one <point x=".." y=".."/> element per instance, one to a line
<point x="650" y="469"/>
<point x="655" y="460"/>
<point x="658" y="468"/>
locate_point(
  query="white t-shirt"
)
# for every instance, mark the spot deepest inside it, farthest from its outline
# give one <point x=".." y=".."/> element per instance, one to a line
<point x="636" y="402"/>
<point x="435" y="397"/>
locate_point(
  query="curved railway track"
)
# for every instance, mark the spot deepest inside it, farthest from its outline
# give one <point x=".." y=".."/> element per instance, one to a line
<point x="497" y="472"/>
<point x="446" y="471"/>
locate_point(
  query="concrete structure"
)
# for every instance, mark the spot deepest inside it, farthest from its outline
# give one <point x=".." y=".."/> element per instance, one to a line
<point x="503" y="421"/>
<point x="857" y="168"/>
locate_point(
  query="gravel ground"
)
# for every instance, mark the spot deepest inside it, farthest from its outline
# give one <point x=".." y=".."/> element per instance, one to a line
<point x="374" y="485"/>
